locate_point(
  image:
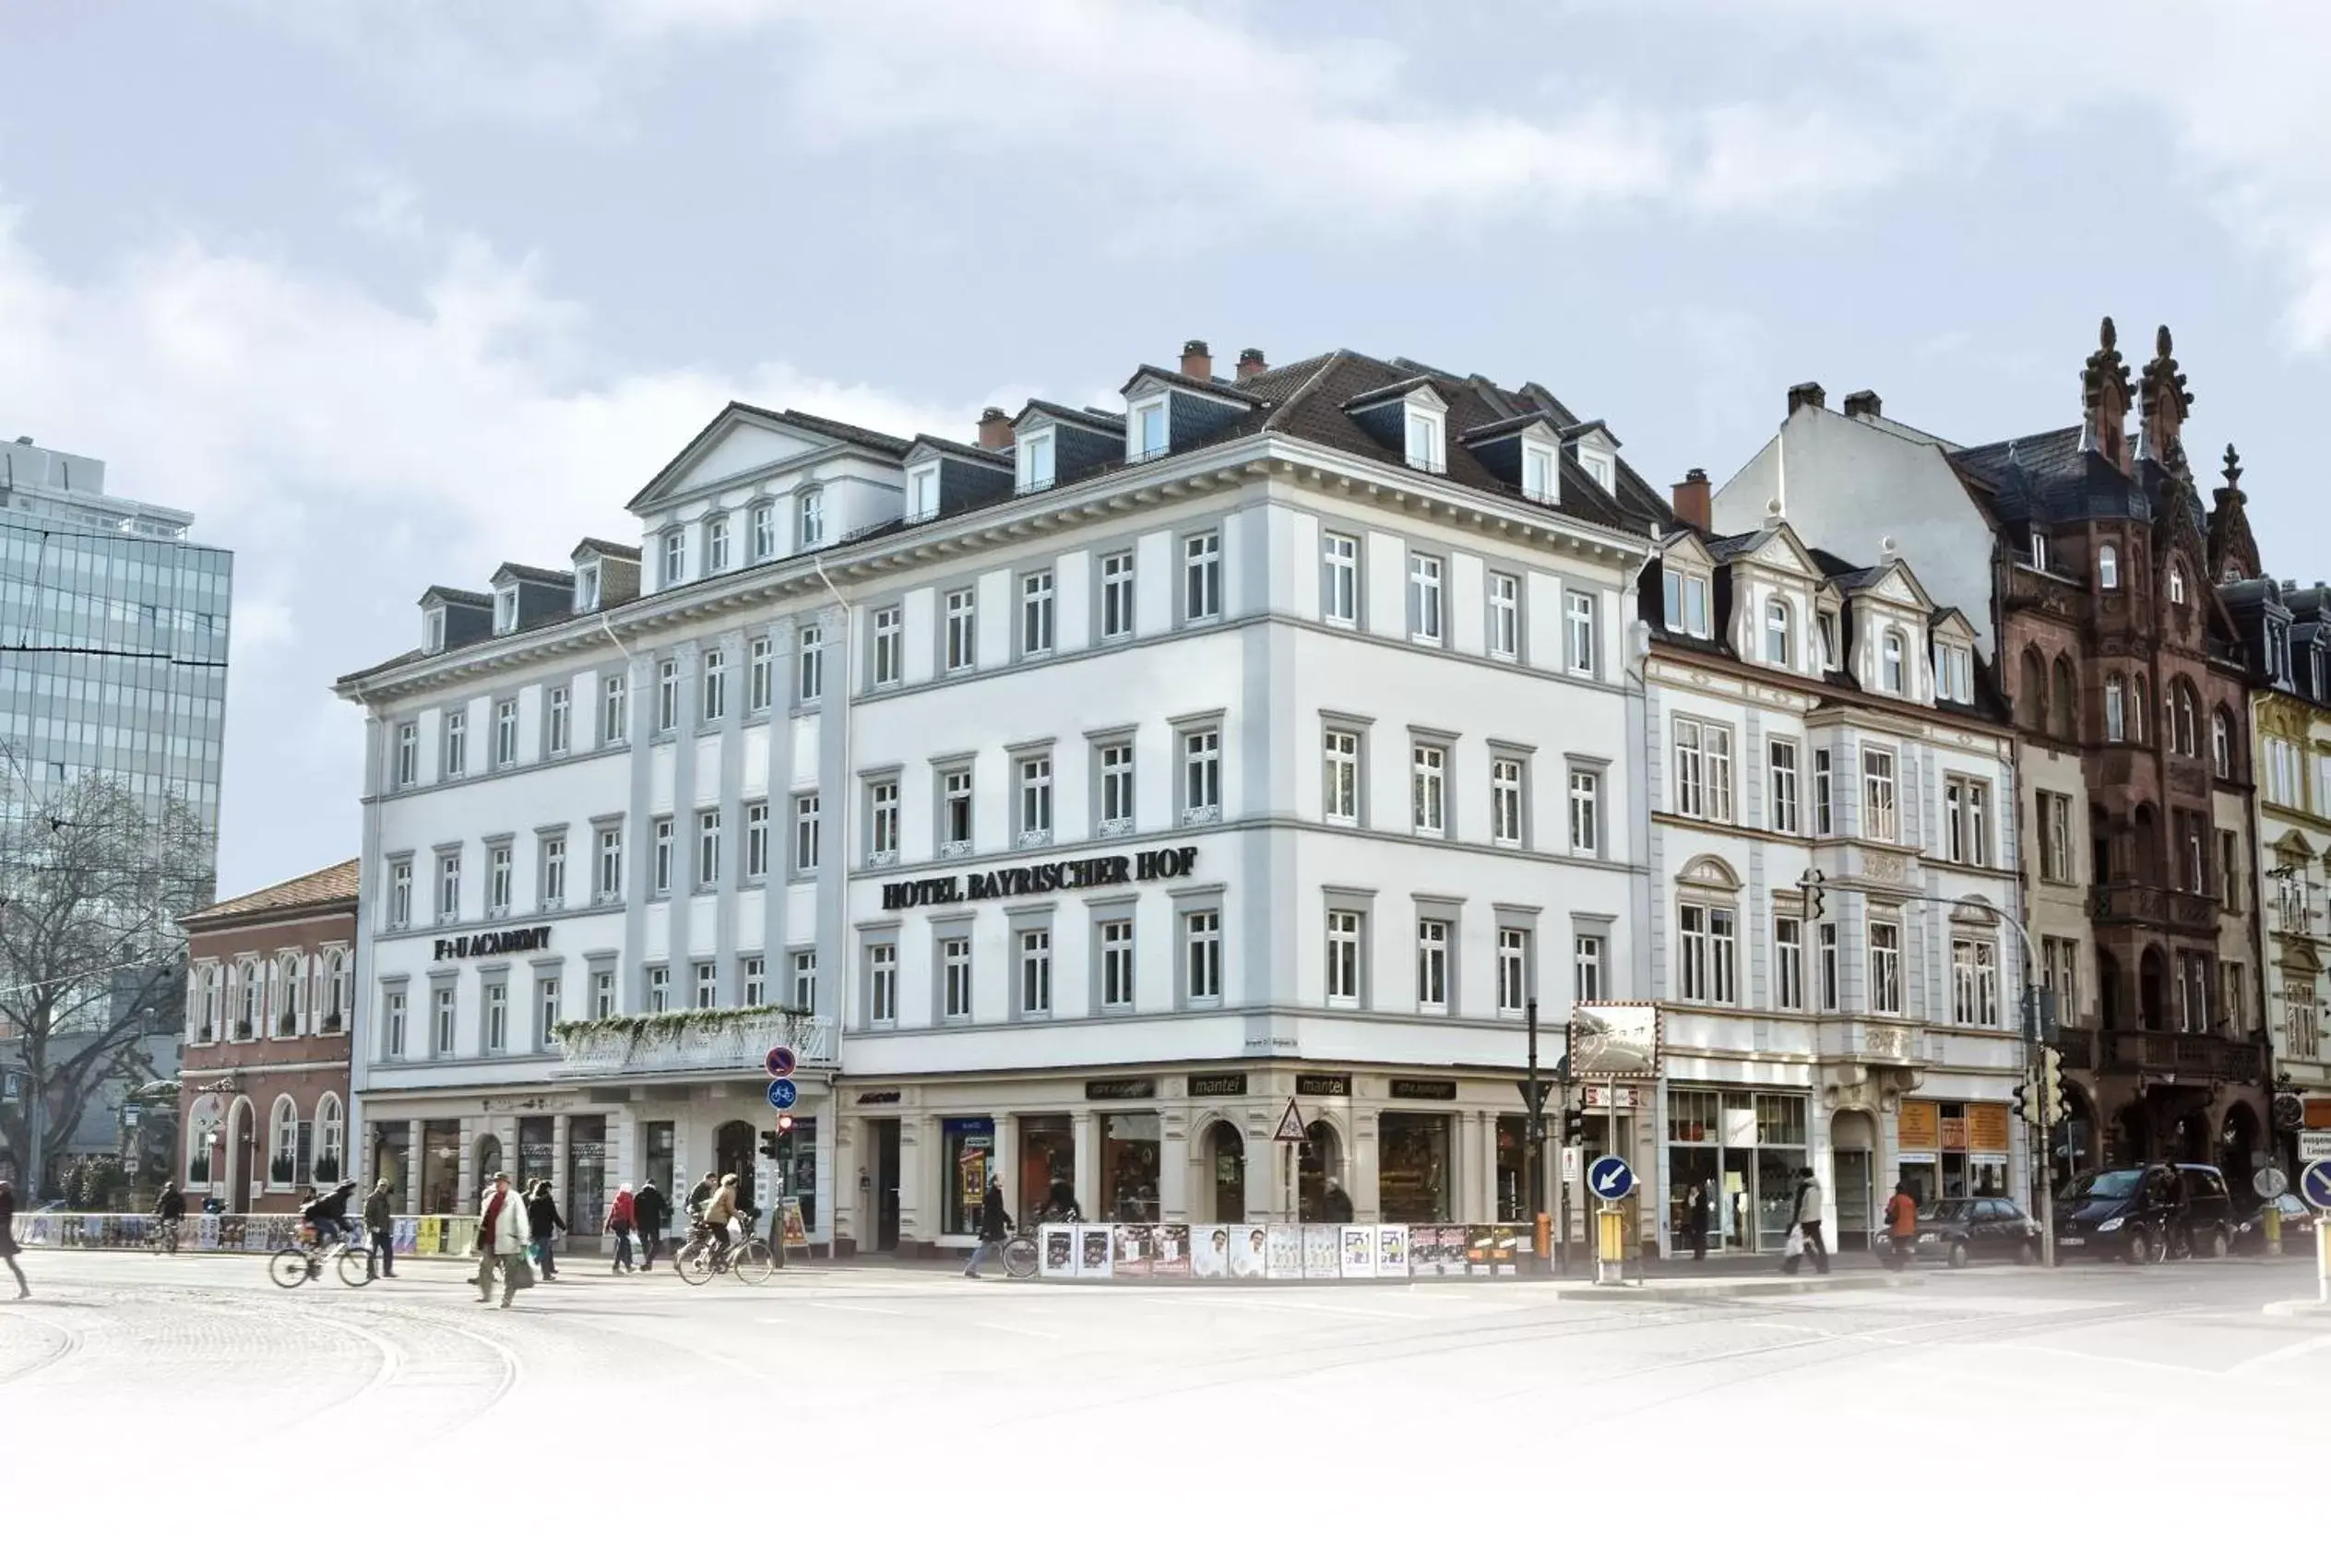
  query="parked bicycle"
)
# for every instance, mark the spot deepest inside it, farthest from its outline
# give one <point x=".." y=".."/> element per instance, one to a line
<point x="699" y="1259"/>
<point x="296" y="1265"/>
<point x="162" y="1236"/>
<point x="1021" y="1255"/>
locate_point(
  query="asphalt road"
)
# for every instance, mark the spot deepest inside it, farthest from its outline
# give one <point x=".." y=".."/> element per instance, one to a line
<point x="915" y="1404"/>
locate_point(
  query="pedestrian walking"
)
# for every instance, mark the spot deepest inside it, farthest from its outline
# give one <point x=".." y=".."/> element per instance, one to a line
<point x="1695" y="1221"/>
<point x="1335" y="1204"/>
<point x="380" y="1225"/>
<point x="649" y="1211"/>
<point x="544" y="1219"/>
<point x="1804" y="1211"/>
<point x="502" y="1239"/>
<point x="620" y="1217"/>
<point x="9" y="1238"/>
<point x="1901" y="1226"/>
<point x="996" y="1226"/>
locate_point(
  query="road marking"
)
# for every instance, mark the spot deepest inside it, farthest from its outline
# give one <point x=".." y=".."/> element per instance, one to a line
<point x="1011" y="1328"/>
<point x="2289" y="1352"/>
<point x="853" y="1307"/>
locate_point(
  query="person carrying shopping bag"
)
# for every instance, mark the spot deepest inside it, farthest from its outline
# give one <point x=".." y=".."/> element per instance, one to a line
<point x="503" y="1237"/>
<point x="622" y="1215"/>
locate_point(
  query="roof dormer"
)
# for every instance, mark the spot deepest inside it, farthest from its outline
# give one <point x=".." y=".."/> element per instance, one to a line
<point x="1524" y="451"/>
<point x="1410" y="417"/>
<point x="605" y="574"/>
<point x="452" y="618"/>
<point x="528" y="596"/>
<point x="1054" y="444"/>
<point x="945" y="477"/>
<point x="1165" y="409"/>
<point x="1597" y="452"/>
<point x="1954" y="639"/>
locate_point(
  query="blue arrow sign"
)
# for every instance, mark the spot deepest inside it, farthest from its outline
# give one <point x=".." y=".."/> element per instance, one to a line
<point x="783" y="1092"/>
<point x="2315" y="1186"/>
<point x="1611" y="1178"/>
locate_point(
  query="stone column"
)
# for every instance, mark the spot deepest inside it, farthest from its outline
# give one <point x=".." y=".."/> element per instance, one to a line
<point x="847" y="1201"/>
<point x="1088" y="1146"/>
<point x="467" y="1177"/>
<point x="1364" y="1181"/>
<point x="1007" y="1160"/>
<point x="1173" y="1165"/>
<point x="919" y="1178"/>
<point x="412" y="1166"/>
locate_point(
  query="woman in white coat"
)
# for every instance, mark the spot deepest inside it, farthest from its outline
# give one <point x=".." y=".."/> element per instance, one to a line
<point x="503" y="1234"/>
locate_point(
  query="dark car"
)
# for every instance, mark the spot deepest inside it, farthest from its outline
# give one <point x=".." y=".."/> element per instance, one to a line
<point x="2298" y="1228"/>
<point x="1962" y="1230"/>
<point x="2139" y="1215"/>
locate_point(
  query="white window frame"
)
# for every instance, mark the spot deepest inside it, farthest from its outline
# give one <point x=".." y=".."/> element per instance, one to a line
<point x="962" y="631"/>
<point x="675" y="558"/>
<point x="1116" y="595"/>
<point x="1541" y="473"/>
<point x="1339" y="752"/>
<point x="713" y="680"/>
<point x="1035" y="988"/>
<point x="1340" y="580"/>
<point x="506" y="611"/>
<point x="890" y="645"/>
<point x="1035" y="457"/>
<point x="559" y="722"/>
<point x="955" y="979"/>
<point x="1513" y="971"/>
<point x="757" y="841"/>
<point x="1885" y="965"/>
<point x="1139" y="446"/>
<point x="1202" y="576"/>
<point x="1116" y="787"/>
<point x="1508" y="814"/>
<point x="1504" y="616"/>
<point x="1881" y="796"/>
<point x="1116" y="964"/>
<point x="809" y="662"/>
<point x="1782" y="815"/>
<point x="1578" y="612"/>
<point x="1434" y="939"/>
<point x="1428" y="787"/>
<point x="1428" y="609"/>
<point x="715" y="545"/>
<point x="760" y="674"/>
<point x="1586" y="811"/>
<point x="762" y="522"/>
<point x="809" y="518"/>
<point x="1346" y="950"/>
<point x="1201" y="775"/>
<point x="1037" y="614"/>
<point x="922" y="493"/>
<point x="1033" y="797"/>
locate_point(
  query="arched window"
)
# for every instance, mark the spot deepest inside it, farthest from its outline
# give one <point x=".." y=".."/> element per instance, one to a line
<point x="2221" y="744"/>
<point x="331" y="1139"/>
<point x="283" y="1144"/>
<point x="1776" y="631"/>
<point x="2063" y="709"/>
<point x="1890" y="663"/>
<point x="334" y="1001"/>
<point x="247" y="1006"/>
<point x="2031" y="692"/>
<point x="2115" y="709"/>
<point x="2108" y="567"/>
<point x="2144" y="695"/>
<point x="2177" y="582"/>
<point x="2188" y="721"/>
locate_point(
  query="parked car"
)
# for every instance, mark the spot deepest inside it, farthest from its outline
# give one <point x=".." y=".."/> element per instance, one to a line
<point x="1962" y="1230"/>
<point x="2131" y="1214"/>
<point x="2298" y="1228"/>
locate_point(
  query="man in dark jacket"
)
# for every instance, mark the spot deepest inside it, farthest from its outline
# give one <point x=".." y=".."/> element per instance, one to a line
<point x="329" y="1214"/>
<point x="380" y="1225"/>
<point x="994" y="1225"/>
<point x="544" y="1219"/>
<point x="650" y="1212"/>
<point x="1335" y="1204"/>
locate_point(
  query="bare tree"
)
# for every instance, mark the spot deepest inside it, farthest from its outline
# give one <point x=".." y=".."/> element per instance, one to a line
<point x="92" y="881"/>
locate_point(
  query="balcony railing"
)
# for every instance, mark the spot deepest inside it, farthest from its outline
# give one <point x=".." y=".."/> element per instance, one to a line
<point x="733" y="1040"/>
<point x="2201" y="1056"/>
<point x="2130" y="903"/>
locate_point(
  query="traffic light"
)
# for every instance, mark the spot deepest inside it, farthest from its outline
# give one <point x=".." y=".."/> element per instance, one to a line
<point x="768" y="1144"/>
<point x="785" y="1123"/>
<point x="2026" y="1099"/>
<point x="1810" y="884"/>
<point x="2051" y="1086"/>
<point x="1573" y="1124"/>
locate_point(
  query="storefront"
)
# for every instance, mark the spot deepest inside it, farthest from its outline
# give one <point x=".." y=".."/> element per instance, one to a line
<point x="967" y="1155"/>
<point x="1414" y="1178"/>
<point x="1742" y="1149"/>
<point x="1131" y="1162"/>
<point x="1954" y="1148"/>
<point x="1048" y="1164"/>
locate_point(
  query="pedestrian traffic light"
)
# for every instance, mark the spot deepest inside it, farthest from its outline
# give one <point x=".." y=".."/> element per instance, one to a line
<point x="1573" y="1124"/>
<point x="2052" y="1085"/>
<point x="768" y="1144"/>
<point x="2026" y="1099"/>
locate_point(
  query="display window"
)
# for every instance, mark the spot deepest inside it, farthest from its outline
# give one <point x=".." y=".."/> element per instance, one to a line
<point x="1952" y="1148"/>
<point x="1413" y="1167"/>
<point x="1129" y="1164"/>
<point x="1047" y="1167"/>
<point x="968" y="1154"/>
<point x="1741" y="1149"/>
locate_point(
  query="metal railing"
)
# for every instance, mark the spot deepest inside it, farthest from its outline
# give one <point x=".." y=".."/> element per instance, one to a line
<point x="734" y="1042"/>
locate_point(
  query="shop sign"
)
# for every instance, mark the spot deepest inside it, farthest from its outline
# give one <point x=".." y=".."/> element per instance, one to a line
<point x="1612" y="1097"/>
<point x="1217" y="1085"/>
<point x="878" y="1097"/>
<point x="1987" y="1128"/>
<point x="1954" y="1132"/>
<point x="1424" y="1088"/>
<point x="1919" y="1124"/>
<point x="1046" y="876"/>
<point x="1315" y="1086"/>
<point x="486" y="943"/>
<point x="1121" y="1088"/>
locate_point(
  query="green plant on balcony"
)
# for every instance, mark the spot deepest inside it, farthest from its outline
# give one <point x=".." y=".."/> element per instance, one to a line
<point x="658" y="1028"/>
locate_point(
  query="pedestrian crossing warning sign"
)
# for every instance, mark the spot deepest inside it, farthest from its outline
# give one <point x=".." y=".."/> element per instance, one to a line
<point x="1290" y="1126"/>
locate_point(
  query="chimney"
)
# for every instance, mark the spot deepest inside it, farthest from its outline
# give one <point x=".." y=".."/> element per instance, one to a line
<point x="1196" y="362"/>
<point x="1692" y="503"/>
<point x="1251" y="364"/>
<point x="1862" y="405"/>
<point x="996" y="428"/>
<point x="1806" y="392"/>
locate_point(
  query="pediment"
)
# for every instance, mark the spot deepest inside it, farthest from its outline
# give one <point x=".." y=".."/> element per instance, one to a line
<point x="738" y="441"/>
<point x="1899" y="587"/>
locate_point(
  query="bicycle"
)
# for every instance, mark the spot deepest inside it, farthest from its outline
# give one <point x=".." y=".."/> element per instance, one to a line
<point x="294" y="1265"/>
<point x="162" y="1236"/>
<point x="1021" y="1255"/>
<point x="699" y="1260"/>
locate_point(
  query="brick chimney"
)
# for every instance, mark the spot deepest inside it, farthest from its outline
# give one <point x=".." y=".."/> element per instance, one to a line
<point x="1251" y="364"/>
<point x="1862" y="405"/>
<point x="1807" y="392"/>
<point x="996" y="428"/>
<point x="1694" y="507"/>
<point x="1197" y="362"/>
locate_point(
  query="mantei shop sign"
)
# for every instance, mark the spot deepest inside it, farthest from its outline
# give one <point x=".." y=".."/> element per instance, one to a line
<point x="1047" y="876"/>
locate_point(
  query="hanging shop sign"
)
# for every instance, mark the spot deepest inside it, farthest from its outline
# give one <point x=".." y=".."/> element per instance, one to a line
<point x="486" y="943"/>
<point x="1047" y="876"/>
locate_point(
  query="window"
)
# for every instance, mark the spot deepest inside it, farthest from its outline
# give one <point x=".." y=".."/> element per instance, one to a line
<point x="1829" y="941"/>
<point x="558" y="721"/>
<point x="432" y="630"/>
<point x="1148" y="433"/>
<point x="1504" y="616"/>
<point x="810" y="516"/>
<point x="1967" y="822"/>
<point x="760" y="674"/>
<point x="1340" y="784"/>
<point x="449" y="886"/>
<point x="1513" y="969"/>
<point x="1424" y="441"/>
<point x="1116" y="964"/>
<point x="882" y="822"/>
<point x="1116" y="786"/>
<point x="757" y="982"/>
<point x="955" y="979"/>
<point x="1877" y="796"/>
<point x="1580" y="617"/>
<point x="586" y="587"/>
<point x="1201" y="576"/>
<point x="1432" y="965"/>
<point x="497" y="1016"/>
<point x="506" y="611"/>
<point x="554" y="892"/>
<point x="805" y="979"/>
<point x="1340" y="578"/>
<point x="675" y="558"/>
<point x="757" y="836"/>
<point x="881" y="982"/>
<point x="1953" y="673"/>
<point x="1035" y="453"/>
<point x="1116" y="594"/>
<point x="667" y="695"/>
<point x="1776" y="631"/>
<point x="1890" y="662"/>
<point x="809" y="666"/>
<point x="1826" y="621"/>
<point x="1036" y="801"/>
<point x="393" y="1030"/>
<point x="2115" y="710"/>
<point x="763" y="539"/>
<point x="2177" y="582"/>
<point x="1505" y="800"/>
<point x="708" y="991"/>
<point x="661" y="860"/>
<point x="441" y="1021"/>
<point x="1789" y="961"/>
<point x="659" y="988"/>
<point x="2193" y="992"/>
<point x="2055" y="837"/>
<point x="1703" y="770"/>
<point x="506" y="732"/>
<point x="457" y="742"/>
<point x="1036" y="973"/>
<point x="1585" y="966"/>
<point x="1425" y="598"/>
<point x="2136" y="711"/>
<point x="2108" y="567"/>
<point x="610" y="886"/>
<point x="1975" y="982"/>
<point x="1540" y="474"/>
<point x="1707" y="957"/>
<point x="2230" y="879"/>
<point x="1781" y="759"/>
<point x="614" y="712"/>
<point x="807" y="833"/>
<point x="2221" y="744"/>
<point x="1686" y="601"/>
<point x="2230" y="997"/>
<point x="1586" y="811"/>
<point x="1823" y="819"/>
<point x="2060" y="968"/>
<point x="922" y="493"/>
<point x="2040" y="552"/>
<point x="1344" y="950"/>
<point x="715" y="545"/>
<point x="1202" y="948"/>
<point x="497" y="880"/>
<point x="1886" y="967"/>
<point x="715" y="685"/>
<point x="1428" y="789"/>
<point x="2286" y="785"/>
<point x="407" y="756"/>
<point x="955" y="812"/>
<point x="1036" y="614"/>
<point x="963" y="648"/>
<point x="1202" y="777"/>
<point x="2187" y="723"/>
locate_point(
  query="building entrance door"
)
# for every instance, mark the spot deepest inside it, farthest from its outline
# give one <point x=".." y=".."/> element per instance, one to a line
<point x="1225" y="1166"/>
<point x="1853" y="1199"/>
<point x="885" y="1185"/>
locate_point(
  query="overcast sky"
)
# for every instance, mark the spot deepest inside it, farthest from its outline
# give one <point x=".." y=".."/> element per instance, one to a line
<point x="389" y="293"/>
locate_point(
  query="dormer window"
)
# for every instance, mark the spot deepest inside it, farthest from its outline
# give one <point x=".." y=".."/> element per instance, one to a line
<point x="2039" y="552"/>
<point x="1601" y="469"/>
<point x="1685" y="602"/>
<point x="432" y="630"/>
<point x="1146" y="436"/>
<point x="586" y="588"/>
<point x="675" y="556"/>
<point x="1953" y="673"/>
<point x="812" y="518"/>
<point x="1890" y="663"/>
<point x="506" y="611"/>
<point x="1541" y="473"/>
<point x="1426" y="449"/>
<point x="1035" y="454"/>
<point x="1828" y="625"/>
<point x="715" y="545"/>
<point x="2108" y="568"/>
<point x="922" y="493"/>
<point x="2177" y="582"/>
<point x="1776" y="631"/>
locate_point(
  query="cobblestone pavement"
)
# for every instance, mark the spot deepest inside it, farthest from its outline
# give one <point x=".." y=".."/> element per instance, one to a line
<point x="838" y="1398"/>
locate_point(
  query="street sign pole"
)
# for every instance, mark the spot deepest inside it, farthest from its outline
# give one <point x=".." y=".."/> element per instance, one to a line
<point x="2315" y="1186"/>
<point x="1562" y="1188"/>
<point x="1534" y="1157"/>
<point x="2040" y="1163"/>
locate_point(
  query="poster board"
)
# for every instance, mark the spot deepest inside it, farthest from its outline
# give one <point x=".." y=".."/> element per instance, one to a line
<point x="1210" y="1251"/>
<point x="1283" y="1252"/>
<point x="1392" y="1252"/>
<point x="1133" y="1248"/>
<point x="1359" y="1252"/>
<point x="1056" y="1253"/>
<point x="1250" y="1252"/>
<point x="791" y="1232"/>
<point x="1321" y="1253"/>
<point x="1170" y="1258"/>
<point x="1093" y="1243"/>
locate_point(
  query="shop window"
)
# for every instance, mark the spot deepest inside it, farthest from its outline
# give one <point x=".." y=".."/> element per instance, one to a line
<point x="1413" y="1167"/>
<point x="1129" y="1165"/>
<point x="1048" y="1166"/>
<point x="967" y="1155"/>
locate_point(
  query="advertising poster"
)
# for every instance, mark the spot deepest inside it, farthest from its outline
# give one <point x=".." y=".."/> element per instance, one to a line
<point x="1092" y="1252"/>
<point x="1321" y="1257"/>
<point x="1056" y="1257"/>
<point x="1134" y="1243"/>
<point x="1210" y="1251"/>
<point x="1359" y="1252"/>
<point x="1489" y="1251"/>
<point x="1392" y="1252"/>
<point x="1284" y="1258"/>
<point x="1171" y="1256"/>
<point x="1248" y="1251"/>
<point x="789" y="1226"/>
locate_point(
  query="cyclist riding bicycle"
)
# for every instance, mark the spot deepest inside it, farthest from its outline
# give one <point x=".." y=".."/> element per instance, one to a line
<point x="718" y="1210"/>
<point x="329" y="1214"/>
<point x="171" y="1207"/>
